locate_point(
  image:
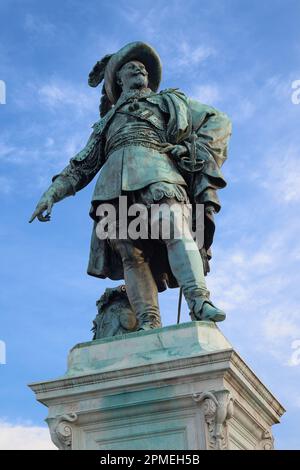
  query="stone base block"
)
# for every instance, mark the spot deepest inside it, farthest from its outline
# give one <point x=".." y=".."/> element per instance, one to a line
<point x="181" y="387"/>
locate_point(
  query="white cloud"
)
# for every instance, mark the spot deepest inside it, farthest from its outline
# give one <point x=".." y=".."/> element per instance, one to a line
<point x="187" y="54"/>
<point x="283" y="173"/>
<point x="257" y="284"/>
<point x="47" y="153"/>
<point x="209" y="94"/>
<point x="6" y="185"/>
<point x="22" y="437"/>
<point x="294" y="360"/>
<point x="281" y="87"/>
<point x="194" y="55"/>
<point x="243" y="110"/>
<point x="148" y="22"/>
<point x="278" y="325"/>
<point x="34" y="24"/>
<point x="58" y="93"/>
<point x="6" y="149"/>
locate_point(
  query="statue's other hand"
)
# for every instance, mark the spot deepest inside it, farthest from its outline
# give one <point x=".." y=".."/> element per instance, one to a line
<point x="45" y="204"/>
<point x="210" y="209"/>
<point x="177" y="151"/>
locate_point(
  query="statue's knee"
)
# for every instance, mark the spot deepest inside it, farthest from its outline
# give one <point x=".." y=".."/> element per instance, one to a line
<point x="170" y="220"/>
<point x="130" y="254"/>
<point x="174" y="228"/>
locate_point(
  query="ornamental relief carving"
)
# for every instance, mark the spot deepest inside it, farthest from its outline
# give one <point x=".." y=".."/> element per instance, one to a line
<point x="61" y="430"/>
<point x="217" y="410"/>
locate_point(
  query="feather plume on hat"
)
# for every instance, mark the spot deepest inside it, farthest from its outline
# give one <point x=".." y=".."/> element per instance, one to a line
<point x="97" y="73"/>
<point x="96" y="76"/>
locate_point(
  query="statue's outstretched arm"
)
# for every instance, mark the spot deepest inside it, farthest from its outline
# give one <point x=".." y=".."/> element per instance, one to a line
<point x="77" y="174"/>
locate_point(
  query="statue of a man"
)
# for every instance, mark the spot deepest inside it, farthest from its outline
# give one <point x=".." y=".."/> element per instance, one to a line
<point x="154" y="148"/>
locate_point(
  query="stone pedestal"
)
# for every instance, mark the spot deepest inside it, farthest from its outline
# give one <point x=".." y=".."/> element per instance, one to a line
<point x="181" y="387"/>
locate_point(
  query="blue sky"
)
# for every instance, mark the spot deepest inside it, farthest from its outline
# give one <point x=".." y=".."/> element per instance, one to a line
<point x="242" y="57"/>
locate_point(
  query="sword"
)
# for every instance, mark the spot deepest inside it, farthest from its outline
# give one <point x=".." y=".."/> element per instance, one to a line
<point x="179" y="305"/>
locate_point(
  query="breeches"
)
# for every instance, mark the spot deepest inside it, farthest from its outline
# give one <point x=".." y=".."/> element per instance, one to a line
<point x="170" y="223"/>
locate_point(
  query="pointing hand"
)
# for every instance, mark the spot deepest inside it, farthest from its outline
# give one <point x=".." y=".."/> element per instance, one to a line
<point x="45" y="204"/>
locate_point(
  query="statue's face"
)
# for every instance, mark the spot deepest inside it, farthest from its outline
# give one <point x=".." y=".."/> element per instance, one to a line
<point x="133" y="75"/>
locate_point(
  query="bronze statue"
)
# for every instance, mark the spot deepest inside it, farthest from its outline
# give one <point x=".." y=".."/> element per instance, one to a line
<point x="155" y="148"/>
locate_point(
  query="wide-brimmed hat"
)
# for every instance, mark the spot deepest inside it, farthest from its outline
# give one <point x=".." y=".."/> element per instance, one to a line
<point x="108" y="67"/>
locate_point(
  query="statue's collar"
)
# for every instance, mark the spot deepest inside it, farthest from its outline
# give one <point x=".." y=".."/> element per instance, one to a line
<point x="133" y="94"/>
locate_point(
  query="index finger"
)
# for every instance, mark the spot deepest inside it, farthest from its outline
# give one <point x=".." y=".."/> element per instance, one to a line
<point x="33" y="216"/>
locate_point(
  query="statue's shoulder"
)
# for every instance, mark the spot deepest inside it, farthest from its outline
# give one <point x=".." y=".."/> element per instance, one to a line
<point x="200" y="112"/>
<point x="165" y="97"/>
<point x="173" y="91"/>
<point x="99" y="125"/>
<point x="93" y="141"/>
<point x="168" y="90"/>
<point x="198" y="106"/>
<point x="201" y="108"/>
<point x="172" y="95"/>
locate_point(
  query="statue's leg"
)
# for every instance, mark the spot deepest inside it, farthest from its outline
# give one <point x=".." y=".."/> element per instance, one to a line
<point x="186" y="262"/>
<point x="140" y="285"/>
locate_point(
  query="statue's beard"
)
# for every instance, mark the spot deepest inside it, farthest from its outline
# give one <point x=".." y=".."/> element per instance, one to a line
<point x="139" y="82"/>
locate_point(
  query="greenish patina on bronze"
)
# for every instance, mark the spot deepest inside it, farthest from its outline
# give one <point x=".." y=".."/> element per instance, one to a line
<point x="115" y="316"/>
<point x="154" y="147"/>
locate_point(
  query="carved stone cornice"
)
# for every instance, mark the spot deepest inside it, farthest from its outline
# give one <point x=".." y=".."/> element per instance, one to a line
<point x="61" y="430"/>
<point x="217" y="409"/>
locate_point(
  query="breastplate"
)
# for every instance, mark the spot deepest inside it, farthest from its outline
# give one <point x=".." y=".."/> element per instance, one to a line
<point x="143" y="125"/>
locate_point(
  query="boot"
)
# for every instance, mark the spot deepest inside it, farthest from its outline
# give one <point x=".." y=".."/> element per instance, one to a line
<point x="141" y="287"/>
<point x="143" y="296"/>
<point x="187" y="267"/>
<point x="204" y="310"/>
